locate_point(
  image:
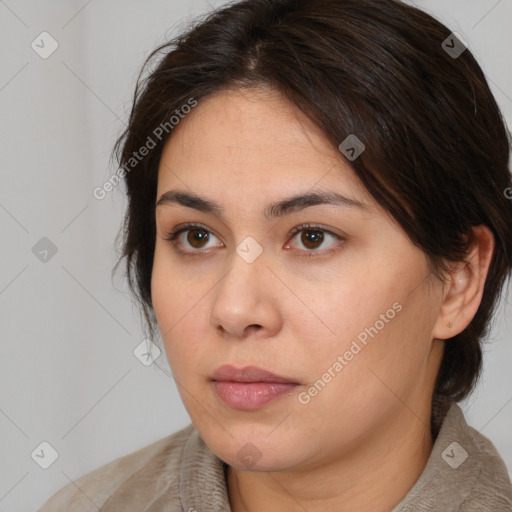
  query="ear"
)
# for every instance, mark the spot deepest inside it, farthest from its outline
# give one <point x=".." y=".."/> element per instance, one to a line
<point x="464" y="288"/>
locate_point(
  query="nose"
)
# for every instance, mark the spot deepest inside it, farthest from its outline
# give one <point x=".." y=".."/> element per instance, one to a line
<point x="245" y="300"/>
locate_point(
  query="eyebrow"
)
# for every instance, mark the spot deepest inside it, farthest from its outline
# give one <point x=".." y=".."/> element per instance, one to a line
<point x="271" y="211"/>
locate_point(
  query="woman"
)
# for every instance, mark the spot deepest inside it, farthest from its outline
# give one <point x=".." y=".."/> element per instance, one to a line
<point x="319" y="227"/>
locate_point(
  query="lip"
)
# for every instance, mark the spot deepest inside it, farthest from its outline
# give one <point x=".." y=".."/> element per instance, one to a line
<point x="252" y="374"/>
<point x="251" y="395"/>
<point x="250" y="387"/>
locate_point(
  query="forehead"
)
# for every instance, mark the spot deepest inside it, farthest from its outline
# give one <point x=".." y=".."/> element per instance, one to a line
<point x="252" y="140"/>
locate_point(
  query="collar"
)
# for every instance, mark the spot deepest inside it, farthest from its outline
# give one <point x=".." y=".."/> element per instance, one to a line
<point x="451" y="470"/>
<point x="202" y="484"/>
<point x="449" y="476"/>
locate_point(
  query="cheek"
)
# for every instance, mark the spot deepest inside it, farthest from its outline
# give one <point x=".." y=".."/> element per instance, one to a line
<point x="348" y="303"/>
<point x="374" y="320"/>
<point x="356" y="383"/>
<point x="178" y="304"/>
<point x="173" y="290"/>
<point x="164" y="292"/>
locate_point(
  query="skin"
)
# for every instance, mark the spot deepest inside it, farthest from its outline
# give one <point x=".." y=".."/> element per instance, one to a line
<point x="364" y="439"/>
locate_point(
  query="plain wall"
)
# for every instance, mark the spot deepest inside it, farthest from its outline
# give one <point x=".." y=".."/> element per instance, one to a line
<point x="68" y="375"/>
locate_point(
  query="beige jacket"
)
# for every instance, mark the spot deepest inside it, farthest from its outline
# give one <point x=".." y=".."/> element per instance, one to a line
<point x="180" y="474"/>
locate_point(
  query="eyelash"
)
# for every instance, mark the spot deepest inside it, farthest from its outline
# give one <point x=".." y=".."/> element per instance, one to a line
<point x="303" y="227"/>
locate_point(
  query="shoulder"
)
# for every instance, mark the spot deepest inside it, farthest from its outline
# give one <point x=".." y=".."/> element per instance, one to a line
<point x="464" y="473"/>
<point x="492" y="490"/>
<point x="91" y="491"/>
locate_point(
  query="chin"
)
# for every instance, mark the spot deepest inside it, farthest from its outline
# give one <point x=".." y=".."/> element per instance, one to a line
<point x="251" y="448"/>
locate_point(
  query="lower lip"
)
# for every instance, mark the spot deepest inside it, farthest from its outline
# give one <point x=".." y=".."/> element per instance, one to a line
<point x="251" y="395"/>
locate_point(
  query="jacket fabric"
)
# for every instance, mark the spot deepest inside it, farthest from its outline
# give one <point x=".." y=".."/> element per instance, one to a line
<point x="180" y="474"/>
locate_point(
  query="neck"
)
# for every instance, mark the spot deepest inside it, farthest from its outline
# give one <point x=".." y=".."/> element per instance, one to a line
<point x="375" y="476"/>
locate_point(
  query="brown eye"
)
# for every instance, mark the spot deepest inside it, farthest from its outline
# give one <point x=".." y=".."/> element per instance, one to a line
<point x="314" y="241"/>
<point x="196" y="237"/>
<point x="312" y="238"/>
<point x="191" y="239"/>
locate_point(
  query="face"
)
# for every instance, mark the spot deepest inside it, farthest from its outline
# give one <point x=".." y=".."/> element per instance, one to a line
<point x="344" y="308"/>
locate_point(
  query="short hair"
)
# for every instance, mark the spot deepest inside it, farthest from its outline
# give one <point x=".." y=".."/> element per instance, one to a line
<point x="436" y="145"/>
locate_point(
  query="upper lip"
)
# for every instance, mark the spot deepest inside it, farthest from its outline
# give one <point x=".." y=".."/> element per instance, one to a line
<point x="247" y="374"/>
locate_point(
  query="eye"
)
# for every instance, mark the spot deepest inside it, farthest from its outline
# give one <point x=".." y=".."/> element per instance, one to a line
<point x="197" y="235"/>
<point x="312" y="238"/>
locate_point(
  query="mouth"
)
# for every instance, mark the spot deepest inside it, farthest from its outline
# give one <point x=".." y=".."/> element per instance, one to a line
<point x="248" y="374"/>
<point x="250" y="387"/>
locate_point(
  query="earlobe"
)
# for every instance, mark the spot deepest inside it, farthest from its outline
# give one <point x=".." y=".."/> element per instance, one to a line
<point x="465" y="285"/>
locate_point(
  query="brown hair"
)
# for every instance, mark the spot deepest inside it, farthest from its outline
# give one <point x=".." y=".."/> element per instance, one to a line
<point x="437" y="148"/>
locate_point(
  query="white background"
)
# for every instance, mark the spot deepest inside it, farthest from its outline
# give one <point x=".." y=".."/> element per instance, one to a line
<point x="68" y="375"/>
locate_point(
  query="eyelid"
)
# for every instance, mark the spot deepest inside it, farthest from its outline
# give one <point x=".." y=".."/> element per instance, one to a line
<point x="189" y="226"/>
